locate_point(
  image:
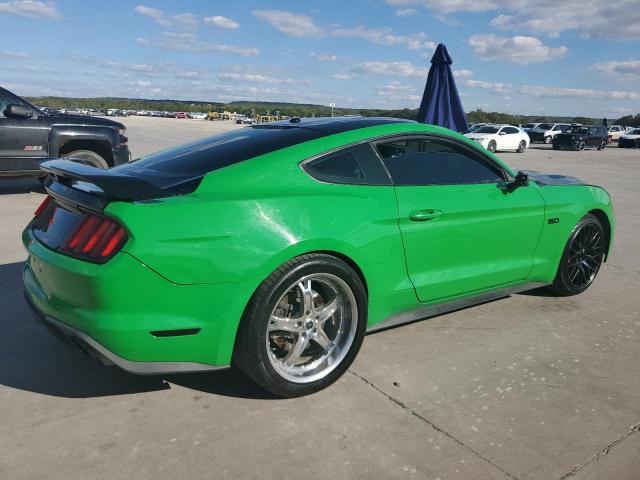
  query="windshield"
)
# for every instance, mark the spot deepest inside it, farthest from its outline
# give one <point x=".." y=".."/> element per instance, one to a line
<point x="578" y="130"/>
<point x="545" y="126"/>
<point x="635" y="131"/>
<point x="487" y="130"/>
<point x="529" y="125"/>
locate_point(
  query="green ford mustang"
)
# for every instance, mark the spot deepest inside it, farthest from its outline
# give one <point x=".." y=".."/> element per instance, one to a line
<point x="276" y="247"/>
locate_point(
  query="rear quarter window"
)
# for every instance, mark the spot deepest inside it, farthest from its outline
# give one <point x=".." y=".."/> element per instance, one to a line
<point x="357" y="165"/>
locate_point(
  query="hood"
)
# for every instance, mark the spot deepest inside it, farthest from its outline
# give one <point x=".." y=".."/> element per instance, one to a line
<point x="81" y="120"/>
<point x="478" y="136"/>
<point x="552" y="179"/>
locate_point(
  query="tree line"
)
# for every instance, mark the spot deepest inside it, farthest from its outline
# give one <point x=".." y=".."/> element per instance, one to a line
<point x="297" y="110"/>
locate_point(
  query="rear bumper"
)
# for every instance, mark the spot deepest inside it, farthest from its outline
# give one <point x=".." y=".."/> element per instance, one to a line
<point x="131" y="315"/>
<point x="77" y="338"/>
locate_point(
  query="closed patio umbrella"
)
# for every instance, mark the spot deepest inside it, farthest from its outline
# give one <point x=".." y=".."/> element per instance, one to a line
<point x="441" y="103"/>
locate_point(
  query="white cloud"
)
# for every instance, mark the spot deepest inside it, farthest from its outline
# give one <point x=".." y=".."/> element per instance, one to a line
<point x="187" y="42"/>
<point x="590" y="18"/>
<point x="14" y="54"/>
<point x="406" y="12"/>
<point x="448" y="6"/>
<point x="323" y="57"/>
<point x="291" y="24"/>
<point x="462" y="73"/>
<point x="397" y="92"/>
<point x="494" y="87"/>
<point x="139" y="83"/>
<point x="31" y="9"/>
<point x="556" y="92"/>
<point x="385" y="36"/>
<point x="624" y="69"/>
<point x="342" y="76"/>
<point x="185" y="21"/>
<point x="252" y="78"/>
<point x="221" y="22"/>
<point x="397" y="69"/>
<point x="518" y="49"/>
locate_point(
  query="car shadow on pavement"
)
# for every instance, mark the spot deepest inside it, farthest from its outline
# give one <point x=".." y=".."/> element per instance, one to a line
<point x="21" y="185"/>
<point x="33" y="359"/>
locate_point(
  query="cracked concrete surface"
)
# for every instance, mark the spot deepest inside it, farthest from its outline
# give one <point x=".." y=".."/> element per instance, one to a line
<point x="528" y="387"/>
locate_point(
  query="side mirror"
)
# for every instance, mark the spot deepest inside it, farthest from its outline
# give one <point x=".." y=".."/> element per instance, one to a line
<point x="521" y="180"/>
<point x="18" y="111"/>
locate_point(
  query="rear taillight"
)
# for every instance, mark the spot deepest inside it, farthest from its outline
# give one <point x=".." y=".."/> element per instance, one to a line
<point x="96" y="239"/>
<point x="42" y="206"/>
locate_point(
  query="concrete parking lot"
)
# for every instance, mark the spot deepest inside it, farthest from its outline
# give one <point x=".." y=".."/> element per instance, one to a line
<point x="528" y="387"/>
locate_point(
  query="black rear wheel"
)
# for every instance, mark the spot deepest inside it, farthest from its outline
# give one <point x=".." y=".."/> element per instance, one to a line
<point x="88" y="158"/>
<point x="582" y="257"/>
<point x="522" y="146"/>
<point x="492" y="146"/>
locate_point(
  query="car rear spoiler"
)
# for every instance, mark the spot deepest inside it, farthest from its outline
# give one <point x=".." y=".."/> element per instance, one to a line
<point x="79" y="185"/>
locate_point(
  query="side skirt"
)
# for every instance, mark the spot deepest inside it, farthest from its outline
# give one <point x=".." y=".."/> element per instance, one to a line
<point x="429" y="311"/>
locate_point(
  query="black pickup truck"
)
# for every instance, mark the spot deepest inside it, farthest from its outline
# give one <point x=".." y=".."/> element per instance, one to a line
<point x="28" y="136"/>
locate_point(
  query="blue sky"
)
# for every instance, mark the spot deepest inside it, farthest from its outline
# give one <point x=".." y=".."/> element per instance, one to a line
<point x="544" y="57"/>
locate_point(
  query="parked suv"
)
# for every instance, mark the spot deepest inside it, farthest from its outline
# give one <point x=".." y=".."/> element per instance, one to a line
<point x="579" y="137"/>
<point x="28" y="136"/>
<point x="545" y="132"/>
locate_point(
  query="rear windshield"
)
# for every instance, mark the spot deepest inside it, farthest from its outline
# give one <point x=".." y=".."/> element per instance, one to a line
<point x="545" y="126"/>
<point x="193" y="160"/>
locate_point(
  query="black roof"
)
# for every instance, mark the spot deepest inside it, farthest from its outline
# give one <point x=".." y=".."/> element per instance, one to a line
<point x="175" y="166"/>
<point x="332" y="125"/>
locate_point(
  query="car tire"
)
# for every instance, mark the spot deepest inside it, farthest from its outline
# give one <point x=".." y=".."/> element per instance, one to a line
<point x="602" y="146"/>
<point x="87" y="157"/>
<point x="492" y="147"/>
<point x="522" y="146"/>
<point x="582" y="257"/>
<point x="290" y="341"/>
<point x="580" y="147"/>
<point x="547" y="140"/>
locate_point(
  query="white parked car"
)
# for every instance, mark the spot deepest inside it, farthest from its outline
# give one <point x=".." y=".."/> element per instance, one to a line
<point x="630" y="139"/>
<point x="615" y="131"/>
<point x="198" y="116"/>
<point x="545" y="132"/>
<point x="500" y="137"/>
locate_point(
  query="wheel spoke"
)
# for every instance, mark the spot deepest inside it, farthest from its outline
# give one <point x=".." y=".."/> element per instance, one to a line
<point x="307" y="295"/>
<point x="285" y="324"/>
<point x="297" y="349"/>
<point x="325" y="312"/>
<point x="320" y="337"/>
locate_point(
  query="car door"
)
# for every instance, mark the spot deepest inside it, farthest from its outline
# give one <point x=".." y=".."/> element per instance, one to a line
<point x="462" y="231"/>
<point x="512" y="137"/>
<point x="22" y="137"/>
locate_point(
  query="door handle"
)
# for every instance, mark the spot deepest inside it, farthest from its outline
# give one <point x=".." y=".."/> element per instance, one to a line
<point x="423" y="215"/>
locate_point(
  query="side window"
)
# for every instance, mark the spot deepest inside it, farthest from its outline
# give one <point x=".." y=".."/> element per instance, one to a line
<point x="5" y="100"/>
<point x="510" y="130"/>
<point x="357" y="165"/>
<point x="435" y="162"/>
